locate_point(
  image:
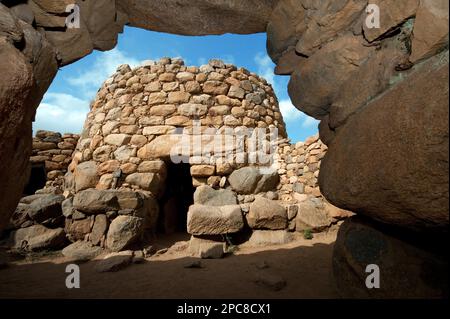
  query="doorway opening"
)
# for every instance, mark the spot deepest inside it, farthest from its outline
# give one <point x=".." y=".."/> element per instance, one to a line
<point x="175" y="202"/>
<point x="37" y="180"/>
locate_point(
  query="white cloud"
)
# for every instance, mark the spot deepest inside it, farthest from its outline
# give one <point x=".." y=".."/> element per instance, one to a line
<point x="61" y="112"/>
<point x="289" y="111"/>
<point x="292" y="115"/>
<point x="309" y="122"/>
<point x="104" y="66"/>
<point x="202" y="61"/>
<point x="265" y="68"/>
<point x="228" y="58"/>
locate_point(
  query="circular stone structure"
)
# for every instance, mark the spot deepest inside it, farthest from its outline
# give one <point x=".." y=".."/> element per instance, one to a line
<point x="165" y="129"/>
<point x="138" y="114"/>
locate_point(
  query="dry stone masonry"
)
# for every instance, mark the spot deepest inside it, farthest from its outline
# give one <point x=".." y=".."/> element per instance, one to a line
<point x="363" y="85"/>
<point x="118" y="189"/>
<point x="53" y="151"/>
<point x="131" y="127"/>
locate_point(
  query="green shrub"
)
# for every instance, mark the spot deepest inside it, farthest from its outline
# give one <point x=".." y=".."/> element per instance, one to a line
<point x="307" y="234"/>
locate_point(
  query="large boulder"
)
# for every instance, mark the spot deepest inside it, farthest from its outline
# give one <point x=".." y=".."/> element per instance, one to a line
<point x="430" y="29"/>
<point x="269" y="237"/>
<point x="78" y="229"/>
<point x="85" y="176"/>
<point x="406" y="270"/>
<point x="17" y="107"/>
<point x="99" y="229"/>
<point x="210" y="220"/>
<point x="81" y="251"/>
<point x="206" y="248"/>
<point x="124" y="231"/>
<point x="129" y="203"/>
<point x="253" y="180"/>
<point x="206" y="195"/>
<point x="45" y="207"/>
<point x="146" y="181"/>
<point x="92" y="201"/>
<point x="20" y="217"/>
<point x="398" y="170"/>
<point x="217" y="17"/>
<point x="37" y="237"/>
<point x="312" y="215"/>
<point x="266" y="214"/>
<point x="114" y="261"/>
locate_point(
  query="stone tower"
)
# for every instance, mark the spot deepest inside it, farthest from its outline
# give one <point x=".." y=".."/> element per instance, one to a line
<point x="160" y="132"/>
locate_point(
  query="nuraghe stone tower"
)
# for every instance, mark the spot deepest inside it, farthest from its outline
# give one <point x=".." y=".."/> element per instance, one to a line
<point x="159" y="132"/>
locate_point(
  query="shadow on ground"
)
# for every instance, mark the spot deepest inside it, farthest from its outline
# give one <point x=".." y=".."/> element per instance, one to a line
<point x="306" y="270"/>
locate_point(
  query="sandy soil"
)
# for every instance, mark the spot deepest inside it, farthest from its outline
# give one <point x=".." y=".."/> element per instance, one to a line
<point x="305" y="265"/>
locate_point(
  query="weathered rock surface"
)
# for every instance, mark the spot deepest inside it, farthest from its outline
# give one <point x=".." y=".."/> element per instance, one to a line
<point x="114" y="261"/>
<point x="37" y="237"/>
<point x="86" y="176"/>
<point x="45" y="207"/>
<point x="252" y="180"/>
<point x="78" y="229"/>
<point x="430" y="34"/>
<point x="406" y="271"/>
<point x="92" y="201"/>
<point x="266" y="214"/>
<point x="211" y="220"/>
<point x="124" y="231"/>
<point x="81" y="251"/>
<point x="312" y="215"/>
<point x="269" y="237"/>
<point x="397" y="128"/>
<point x="206" y="195"/>
<point x="206" y="248"/>
<point x="99" y="229"/>
<point x="217" y="17"/>
<point x="16" y="114"/>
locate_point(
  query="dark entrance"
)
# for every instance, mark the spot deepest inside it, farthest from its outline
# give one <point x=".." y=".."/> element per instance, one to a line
<point x="37" y="180"/>
<point x="177" y="198"/>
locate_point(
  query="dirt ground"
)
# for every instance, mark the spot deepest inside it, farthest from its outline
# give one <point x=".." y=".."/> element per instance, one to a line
<point x="305" y="266"/>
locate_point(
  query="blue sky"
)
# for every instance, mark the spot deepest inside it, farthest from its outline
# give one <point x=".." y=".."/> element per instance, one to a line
<point x="66" y="103"/>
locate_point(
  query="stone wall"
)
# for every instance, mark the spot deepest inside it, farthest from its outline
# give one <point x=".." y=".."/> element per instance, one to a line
<point x="117" y="188"/>
<point x="54" y="150"/>
<point x="341" y="73"/>
<point x="132" y="124"/>
<point x="298" y="166"/>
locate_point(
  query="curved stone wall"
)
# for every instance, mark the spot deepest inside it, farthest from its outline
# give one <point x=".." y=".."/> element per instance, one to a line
<point x="341" y="71"/>
<point x="138" y="116"/>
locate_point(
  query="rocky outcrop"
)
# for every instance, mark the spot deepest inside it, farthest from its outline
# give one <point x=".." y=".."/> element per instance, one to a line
<point x="211" y="17"/>
<point x="407" y="268"/>
<point x="15" y="115"/>
<point x="340" y="71"/>
<point x="37" y="238"/>
<point x="382" y="97"/>
<point x="381" y="180"/>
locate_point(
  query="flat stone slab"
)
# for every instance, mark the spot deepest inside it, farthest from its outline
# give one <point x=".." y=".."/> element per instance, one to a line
<point x="205" y="248"/>
<point x="213" y="220"/>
